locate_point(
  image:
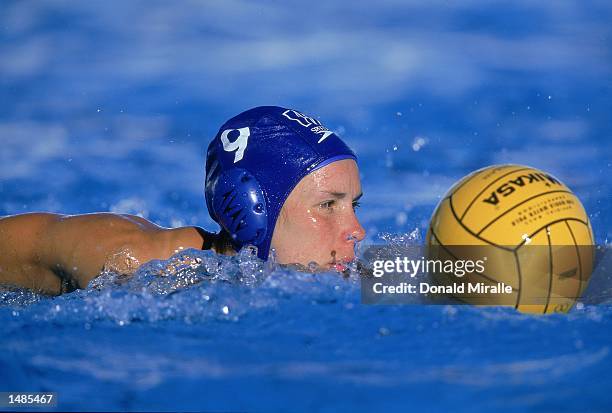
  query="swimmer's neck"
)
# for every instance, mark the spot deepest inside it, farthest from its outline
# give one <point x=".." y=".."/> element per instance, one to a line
<point x="197" y="237"/>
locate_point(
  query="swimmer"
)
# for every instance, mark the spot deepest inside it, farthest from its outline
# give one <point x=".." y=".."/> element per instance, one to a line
<point x="275" y="179"/>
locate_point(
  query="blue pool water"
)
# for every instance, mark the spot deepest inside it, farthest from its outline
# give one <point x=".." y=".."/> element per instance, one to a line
<point x="110" y="107"/>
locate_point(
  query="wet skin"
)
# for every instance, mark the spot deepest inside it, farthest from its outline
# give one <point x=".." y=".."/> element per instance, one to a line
<point x="42" y="251"/>
<point x="319" y="218"/>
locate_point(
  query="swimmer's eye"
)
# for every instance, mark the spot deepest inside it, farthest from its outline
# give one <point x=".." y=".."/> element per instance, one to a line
<point x="331" y="203"/>
<point x="327" y="204"/>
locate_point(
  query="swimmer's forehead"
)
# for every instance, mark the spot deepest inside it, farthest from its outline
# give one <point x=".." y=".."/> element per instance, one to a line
<point x="338" y="180"/>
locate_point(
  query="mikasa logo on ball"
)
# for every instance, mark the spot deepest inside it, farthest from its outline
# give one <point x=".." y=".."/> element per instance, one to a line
<point x="510" y="186"/>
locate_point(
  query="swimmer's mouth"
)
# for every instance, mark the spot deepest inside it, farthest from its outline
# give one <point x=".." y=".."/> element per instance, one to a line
<point x="340" y="266"/>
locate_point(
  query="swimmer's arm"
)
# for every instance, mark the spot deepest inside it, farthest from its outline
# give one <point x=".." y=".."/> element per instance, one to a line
<point x="79" y="247"/>
<point x="20" y="263"/>
<point x="82" y="246"/>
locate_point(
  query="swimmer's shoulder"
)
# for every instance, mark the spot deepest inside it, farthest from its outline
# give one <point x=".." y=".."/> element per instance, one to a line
<point x="189" y="237"/>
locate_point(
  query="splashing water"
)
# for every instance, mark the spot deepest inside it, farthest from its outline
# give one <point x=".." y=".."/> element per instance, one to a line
<point x="192" y="286"/>
<point x="411" y="238"/>
<point x="201" y="319"/>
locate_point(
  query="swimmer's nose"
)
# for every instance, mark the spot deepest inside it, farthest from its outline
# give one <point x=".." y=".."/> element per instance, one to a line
<point x="355" y="232"/>
<point x="352" y="234"/>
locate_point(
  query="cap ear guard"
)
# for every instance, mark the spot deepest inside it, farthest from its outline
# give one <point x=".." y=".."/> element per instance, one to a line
<point x="239" y="205"/>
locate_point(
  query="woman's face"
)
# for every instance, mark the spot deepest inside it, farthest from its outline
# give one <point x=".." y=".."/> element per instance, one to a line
<point x="317" y="222"/>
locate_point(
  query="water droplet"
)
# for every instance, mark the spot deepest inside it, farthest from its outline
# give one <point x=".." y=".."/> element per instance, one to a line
<point x="389" y="161"/>
<point x="401" y="218"/>
<point x="418" y="143"/>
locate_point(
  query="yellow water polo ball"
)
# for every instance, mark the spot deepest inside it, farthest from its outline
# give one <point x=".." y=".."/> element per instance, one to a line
<point x="529" y="228"/>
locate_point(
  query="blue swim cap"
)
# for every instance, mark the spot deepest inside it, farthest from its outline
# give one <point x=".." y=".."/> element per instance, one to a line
<point x="255" y="161"/>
